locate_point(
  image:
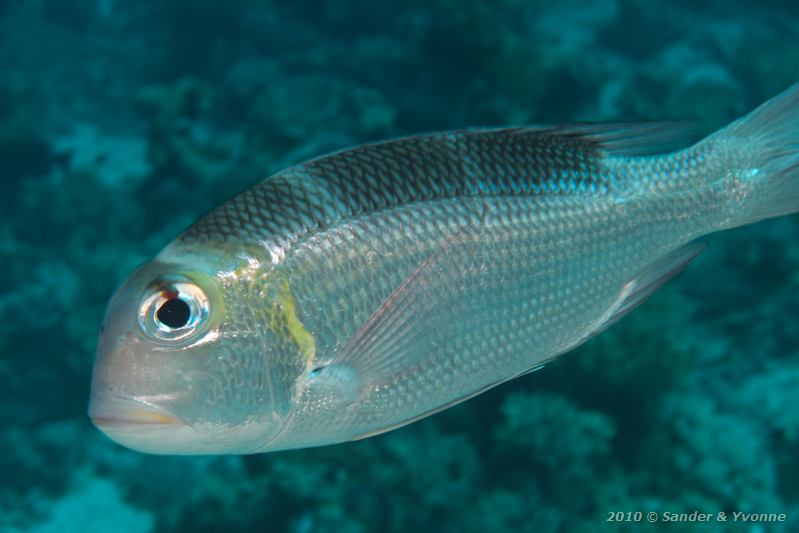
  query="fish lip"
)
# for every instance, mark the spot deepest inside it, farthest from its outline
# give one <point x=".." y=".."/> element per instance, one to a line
<point x="116" y="411"/>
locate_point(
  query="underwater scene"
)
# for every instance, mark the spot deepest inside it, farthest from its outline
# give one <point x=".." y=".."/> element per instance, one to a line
<point x="122" y="123"/>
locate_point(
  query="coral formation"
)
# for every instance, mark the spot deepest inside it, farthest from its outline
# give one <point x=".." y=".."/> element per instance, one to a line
<point x="121" y="122"/>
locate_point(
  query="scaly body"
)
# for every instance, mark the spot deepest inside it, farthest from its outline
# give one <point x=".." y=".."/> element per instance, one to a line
<point x="366" y="289"/>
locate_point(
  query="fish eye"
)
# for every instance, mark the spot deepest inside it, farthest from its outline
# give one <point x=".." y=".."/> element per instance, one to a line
<point x="173" y="309"/>
<point x="174" y="313"/>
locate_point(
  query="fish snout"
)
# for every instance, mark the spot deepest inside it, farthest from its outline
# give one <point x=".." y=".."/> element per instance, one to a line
<point x="109" y="410"/>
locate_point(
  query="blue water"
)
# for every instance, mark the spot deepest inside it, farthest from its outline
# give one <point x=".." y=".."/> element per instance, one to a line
<point x="121" y="122"/>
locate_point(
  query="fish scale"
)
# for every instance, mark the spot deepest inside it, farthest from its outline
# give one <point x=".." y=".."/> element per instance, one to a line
<point x="416" y="169"/>
<point x="366" y="289"/>
<point x="518" y="275"/>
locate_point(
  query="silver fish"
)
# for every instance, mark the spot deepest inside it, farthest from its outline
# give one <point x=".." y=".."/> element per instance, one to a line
<point x="364" y="290"/>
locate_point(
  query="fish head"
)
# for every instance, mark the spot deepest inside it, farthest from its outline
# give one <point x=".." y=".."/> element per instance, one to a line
<point x="182" y="366"/>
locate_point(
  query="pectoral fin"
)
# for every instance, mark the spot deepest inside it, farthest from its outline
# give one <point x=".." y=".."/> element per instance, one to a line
<point x="388" y="341"/>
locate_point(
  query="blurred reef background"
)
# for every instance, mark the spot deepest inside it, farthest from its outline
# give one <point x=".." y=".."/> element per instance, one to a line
<point x="122" y="122"/>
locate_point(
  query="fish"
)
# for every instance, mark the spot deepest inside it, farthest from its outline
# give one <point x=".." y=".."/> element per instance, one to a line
<point x="355" y="293"/>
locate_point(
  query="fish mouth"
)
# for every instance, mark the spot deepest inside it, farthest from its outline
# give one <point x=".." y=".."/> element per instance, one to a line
<point x="108" y="411"/>
<point x="137" y="424"/>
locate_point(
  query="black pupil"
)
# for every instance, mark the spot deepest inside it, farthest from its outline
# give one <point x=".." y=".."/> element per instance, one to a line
<point x="174" y="313"/>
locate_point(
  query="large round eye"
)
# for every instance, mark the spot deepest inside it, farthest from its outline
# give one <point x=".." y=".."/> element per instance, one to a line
<point x="173" y="309"/>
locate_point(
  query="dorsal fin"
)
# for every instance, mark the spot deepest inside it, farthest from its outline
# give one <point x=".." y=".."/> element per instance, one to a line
<point x="529" y="161"/>
<point x="629" y="139"/>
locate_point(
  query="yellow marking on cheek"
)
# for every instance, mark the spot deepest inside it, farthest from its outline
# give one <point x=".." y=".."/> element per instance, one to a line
<point x="283" y="320"/>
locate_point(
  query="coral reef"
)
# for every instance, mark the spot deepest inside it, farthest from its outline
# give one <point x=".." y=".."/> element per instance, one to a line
<point x="122" y="122"/>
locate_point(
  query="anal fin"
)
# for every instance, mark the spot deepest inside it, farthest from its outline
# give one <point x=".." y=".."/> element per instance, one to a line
<point x="644" y="284"/>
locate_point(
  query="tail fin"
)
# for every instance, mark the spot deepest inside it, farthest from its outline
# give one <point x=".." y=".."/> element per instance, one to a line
<point x="773" y="130"/>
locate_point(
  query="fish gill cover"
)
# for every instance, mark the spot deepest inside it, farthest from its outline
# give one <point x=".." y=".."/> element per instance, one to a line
<point x="122" y="122"/>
